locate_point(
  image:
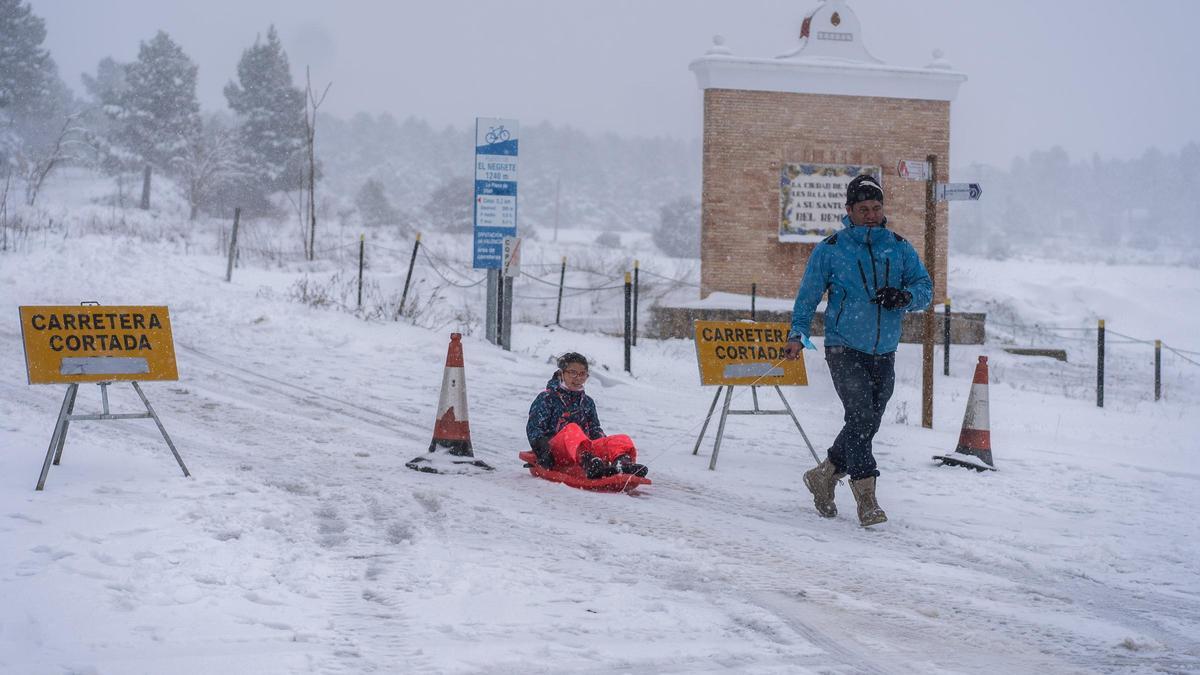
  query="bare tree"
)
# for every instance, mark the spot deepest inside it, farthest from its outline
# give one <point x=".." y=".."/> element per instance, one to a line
<point x="311" y="103"/>
<point x="36" y="166"/>
<point x="209" y="159"/>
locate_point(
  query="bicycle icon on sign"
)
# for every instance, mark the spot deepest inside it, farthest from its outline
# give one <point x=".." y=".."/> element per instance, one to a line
<point x="496" y="135"/>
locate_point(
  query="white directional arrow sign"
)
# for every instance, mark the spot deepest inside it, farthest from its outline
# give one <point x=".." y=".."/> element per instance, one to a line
<point x="952" y="192"/>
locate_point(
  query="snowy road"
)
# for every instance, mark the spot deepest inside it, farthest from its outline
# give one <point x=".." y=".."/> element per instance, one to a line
<point x="302" y="544"/>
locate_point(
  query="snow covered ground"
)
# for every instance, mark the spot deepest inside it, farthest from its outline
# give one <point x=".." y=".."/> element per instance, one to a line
<point x="302" y="544"/>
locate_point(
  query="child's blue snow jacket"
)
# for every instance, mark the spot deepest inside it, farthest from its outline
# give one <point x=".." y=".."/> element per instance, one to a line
<point x="556" y="407"/>
<point x="851" y="266"/>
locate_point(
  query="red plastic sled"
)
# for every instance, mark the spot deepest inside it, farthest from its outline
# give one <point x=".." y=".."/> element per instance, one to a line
<point x="574" y="477"/>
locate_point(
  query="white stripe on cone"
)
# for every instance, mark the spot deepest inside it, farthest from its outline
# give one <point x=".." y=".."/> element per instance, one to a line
<point x="454" y="393"/>
<point x="976" y="416"/>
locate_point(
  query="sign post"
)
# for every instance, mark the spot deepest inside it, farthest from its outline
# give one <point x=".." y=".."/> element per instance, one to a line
<point x="931" y="267"/>
<point x="750" y="354"/>
<point x="935" y="192"/>
<point x="491" y="317"/>
<point x="94" y="343"/>
<point x="495" y="215"/>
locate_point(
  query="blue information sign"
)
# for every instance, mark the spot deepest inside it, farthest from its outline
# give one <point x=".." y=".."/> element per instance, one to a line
<point x="495" y="189"/>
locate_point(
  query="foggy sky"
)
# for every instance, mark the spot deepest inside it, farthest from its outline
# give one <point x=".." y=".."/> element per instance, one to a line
<point x="1106" y="77"/>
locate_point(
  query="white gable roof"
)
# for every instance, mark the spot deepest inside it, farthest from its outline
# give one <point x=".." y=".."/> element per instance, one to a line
<point x="832" y="31"/>
<point x="831" y="59"/>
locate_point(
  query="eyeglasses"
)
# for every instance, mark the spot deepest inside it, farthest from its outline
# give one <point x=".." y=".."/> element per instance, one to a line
<point x="575" y="372"/>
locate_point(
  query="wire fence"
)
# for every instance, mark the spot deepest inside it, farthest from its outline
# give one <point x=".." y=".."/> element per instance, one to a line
<point x="355" y="276"/>
<point x="1076" y="378"/>
<point x="681" y="282"/>
<point x="1075" y="334"/>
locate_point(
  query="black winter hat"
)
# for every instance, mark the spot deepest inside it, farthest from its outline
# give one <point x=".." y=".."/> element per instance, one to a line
<point x="863" y="188"/>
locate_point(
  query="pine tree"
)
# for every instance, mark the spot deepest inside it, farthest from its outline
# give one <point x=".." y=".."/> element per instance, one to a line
<point x="678" y="232"/>
<point x="158" y="108"/>
<point x="271" y="113"/>
<point x="26" y="69"/>
<point x="373" y="205"/>
<point x="450" y="207"/>
<point x="109" y="84"/>
<point x="103" y="120"/>
<point x="32" y="97"/>
<point x="38" y="127"/>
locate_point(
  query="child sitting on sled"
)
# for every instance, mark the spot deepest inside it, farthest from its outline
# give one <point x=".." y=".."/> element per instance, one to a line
<point x="564" y="431"/>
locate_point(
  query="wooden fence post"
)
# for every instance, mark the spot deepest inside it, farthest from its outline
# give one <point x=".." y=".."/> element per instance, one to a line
<point x="408" y="278"/>
<point x="628" y="322"/>
<point x="562" y="276"/>
<point x="237" y="215"/>
<point x="1157" y="370"/>
<point x="946" y="340"/>
<point x="1100" y="365"/>
<point x="362" y="244"/>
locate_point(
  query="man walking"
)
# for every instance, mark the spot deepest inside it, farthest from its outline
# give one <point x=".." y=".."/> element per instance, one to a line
<point x="873" y="276"/>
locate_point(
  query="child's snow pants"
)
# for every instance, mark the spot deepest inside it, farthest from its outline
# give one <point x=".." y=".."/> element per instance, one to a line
<point x="570" y="441"/>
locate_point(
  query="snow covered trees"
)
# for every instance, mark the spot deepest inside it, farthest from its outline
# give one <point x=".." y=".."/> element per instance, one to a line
<point x="449" y="208"/>
<point x="105" y="90"/>
<point x="157" y="109"/>
<point x="271" y="115"/>
<point x="158" y="106"/>
<point x="146" y="114"/>
<point x="208" y="163"/>
<point x="373" y="205"/>
<point x="27" y="73"/>
<point x="37" y="126"/>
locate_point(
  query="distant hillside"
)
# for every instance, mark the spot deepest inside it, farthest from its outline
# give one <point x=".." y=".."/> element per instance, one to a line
<point x="607" y="181"/>
<point x="1045" y="205"/>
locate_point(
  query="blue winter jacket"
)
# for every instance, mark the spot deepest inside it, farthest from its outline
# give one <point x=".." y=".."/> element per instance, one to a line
<point x="851" y="265"/>
<point x="556" y="407"/>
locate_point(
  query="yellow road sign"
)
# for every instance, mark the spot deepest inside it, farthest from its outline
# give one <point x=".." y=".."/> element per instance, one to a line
<point x="96" y="343"/>
<point x="746" y="353"/>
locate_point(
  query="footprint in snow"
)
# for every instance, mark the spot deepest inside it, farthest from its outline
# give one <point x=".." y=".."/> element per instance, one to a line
<point x="26" y="518"/>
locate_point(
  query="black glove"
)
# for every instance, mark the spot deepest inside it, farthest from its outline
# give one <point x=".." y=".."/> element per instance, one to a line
<point x="541" y="448"/>
<point x="893" y="298"/>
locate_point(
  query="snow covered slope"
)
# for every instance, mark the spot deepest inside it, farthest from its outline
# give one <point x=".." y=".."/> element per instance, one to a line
<point x="302" y="544"/>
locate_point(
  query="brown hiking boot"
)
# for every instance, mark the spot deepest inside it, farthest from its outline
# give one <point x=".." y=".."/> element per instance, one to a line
<point x="820" y="481"/>
<point x="869" y="512"/>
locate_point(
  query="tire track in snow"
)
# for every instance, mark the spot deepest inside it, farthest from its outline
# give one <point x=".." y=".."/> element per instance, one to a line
<point x="1130" y="608"/>
<point x="307" y="396"/>
<point x="769" y="566"/>
<point x="367" y="629"/>
<point x="370" y="629"/>
<point x="767" y="571"/>
<point x="766" y="562"/>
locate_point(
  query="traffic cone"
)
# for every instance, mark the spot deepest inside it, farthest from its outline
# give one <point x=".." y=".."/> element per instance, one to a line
<point x="451" y="430"/>
<point x="974" y="449"/>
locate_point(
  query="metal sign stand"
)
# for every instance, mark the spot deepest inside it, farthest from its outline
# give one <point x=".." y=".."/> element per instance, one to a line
<point x="725" y="412"/>
<point x="66" y="416"/>
<point x="492" y="314"/>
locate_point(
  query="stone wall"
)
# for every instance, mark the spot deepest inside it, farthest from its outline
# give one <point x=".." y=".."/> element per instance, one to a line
<point x="749" y="135"/>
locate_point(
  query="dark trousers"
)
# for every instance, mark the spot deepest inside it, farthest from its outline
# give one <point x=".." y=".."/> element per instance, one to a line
<point x="864" y="382"/>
